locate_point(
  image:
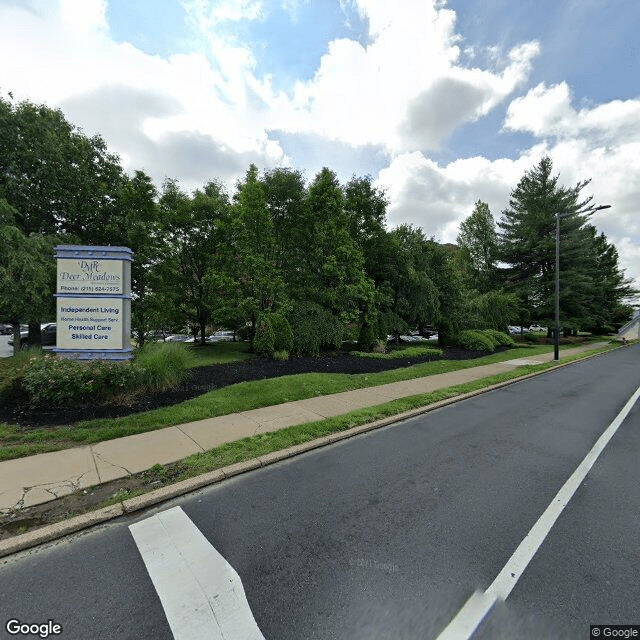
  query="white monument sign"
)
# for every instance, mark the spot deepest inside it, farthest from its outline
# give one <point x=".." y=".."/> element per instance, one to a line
<point x="94" y="302"/>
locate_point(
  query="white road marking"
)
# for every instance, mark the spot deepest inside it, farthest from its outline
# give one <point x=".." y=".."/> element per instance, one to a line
<point x="201" y="593"/>
<point x="479" y="604"/>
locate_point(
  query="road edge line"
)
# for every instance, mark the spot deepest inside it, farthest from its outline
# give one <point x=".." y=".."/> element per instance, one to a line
<point x="465" y="623"/>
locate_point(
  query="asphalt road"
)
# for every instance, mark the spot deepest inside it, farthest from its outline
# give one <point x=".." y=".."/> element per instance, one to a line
<point x="387" y="535"/>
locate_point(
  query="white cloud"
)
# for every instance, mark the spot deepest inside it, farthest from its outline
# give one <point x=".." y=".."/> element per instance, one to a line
<point x="209" y="14"/>
<point x="547" y="111"/>
<point x="404" y="90"/>
<point x="135" y="100"/>
<point x="437" y="198"/>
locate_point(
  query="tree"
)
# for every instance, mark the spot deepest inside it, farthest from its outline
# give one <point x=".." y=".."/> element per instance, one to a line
<point x="137" y="226"/>
<point x="478" y="244"/>
<point x="610" y="288"/>
<point x="527" y="245"/>
<point x="58" y="179"/>
<point x="332" y="267"/>
<point x="27" y="273"/>
<point x="191" y="231"/>
<point x="259" y="285"/>
<point x="285" y="194"/>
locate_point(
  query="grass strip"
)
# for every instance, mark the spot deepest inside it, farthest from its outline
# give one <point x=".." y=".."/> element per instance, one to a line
<point x="16" y="442"/>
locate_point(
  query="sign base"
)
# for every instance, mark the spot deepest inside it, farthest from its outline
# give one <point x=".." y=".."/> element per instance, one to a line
<point x="85" y="354"/>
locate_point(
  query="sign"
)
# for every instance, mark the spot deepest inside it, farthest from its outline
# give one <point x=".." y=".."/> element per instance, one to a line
<point x="92" y="323"/>
<point x="93" y="302"/>
<point x="90" y="276"/>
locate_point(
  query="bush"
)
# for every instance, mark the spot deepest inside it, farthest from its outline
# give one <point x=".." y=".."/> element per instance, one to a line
<point x="499" y="337"/>
<point x="161" y="365"/>
<point x="12" y="373"/>
<point x="283" y="335"/>
<point x="58" y="382"/>
<point x="55" y="381"/>
<point x="264" y="338"/>
<point x="407" y="352"/>
<point x="367" y="338"/>
<point x="476" y="341"/>
<point x="314" y="328"/>
<point x="280" y="355"/>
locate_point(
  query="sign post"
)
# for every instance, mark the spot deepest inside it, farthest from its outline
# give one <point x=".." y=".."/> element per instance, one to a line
<point x="93" y="302"/>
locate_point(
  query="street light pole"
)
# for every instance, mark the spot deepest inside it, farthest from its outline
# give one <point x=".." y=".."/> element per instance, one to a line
<point x="556" y="339"/>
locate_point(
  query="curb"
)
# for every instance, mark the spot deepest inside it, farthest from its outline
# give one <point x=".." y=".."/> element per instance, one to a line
<point x="58" y="530"/>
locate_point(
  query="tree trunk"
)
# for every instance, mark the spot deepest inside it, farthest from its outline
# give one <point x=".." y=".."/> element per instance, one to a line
<point x="35" y="335"/>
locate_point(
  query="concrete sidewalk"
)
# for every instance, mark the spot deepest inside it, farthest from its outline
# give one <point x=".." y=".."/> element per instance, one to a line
<point x="36" y="479"/>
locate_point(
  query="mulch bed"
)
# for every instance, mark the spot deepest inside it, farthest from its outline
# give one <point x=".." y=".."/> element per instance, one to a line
<point x="203" y="379"/>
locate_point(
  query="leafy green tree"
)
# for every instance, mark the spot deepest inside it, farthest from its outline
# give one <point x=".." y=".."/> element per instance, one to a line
<point x="27" y="274"/>
<point x="478" y="244"/>
<point x="259" y="285"/>
<point x="137" y="226"/>
<point x="492" y="310"/>
<point x="191" y="231"/>
<point x="285" y="194"/>
<point x="58" y="179"/>
<point x="610" y="288"/>
<point x="366" y="210"/>
<point x="332" y="267"/>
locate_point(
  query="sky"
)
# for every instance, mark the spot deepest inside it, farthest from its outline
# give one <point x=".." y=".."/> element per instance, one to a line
<point x="442" y="103"/>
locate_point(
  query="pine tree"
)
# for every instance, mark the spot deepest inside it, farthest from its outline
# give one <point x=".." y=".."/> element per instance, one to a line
<point x="527" y="245"/>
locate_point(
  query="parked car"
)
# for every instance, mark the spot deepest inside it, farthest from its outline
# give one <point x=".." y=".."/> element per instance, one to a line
<point x="176" y="337"/>
<point x="47" y="332"/>
<point x="537" y="327"/>
<point x="6" y="329"/>
<point x="518" y="330"/>
<point x="220" y="336"/>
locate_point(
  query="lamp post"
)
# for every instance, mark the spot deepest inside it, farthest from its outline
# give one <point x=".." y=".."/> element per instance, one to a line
<point x="556" y="339"/>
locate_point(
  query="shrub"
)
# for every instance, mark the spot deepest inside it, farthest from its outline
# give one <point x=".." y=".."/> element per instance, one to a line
<point x="57" y="381"/>
<point x="500" y="337"/>
<point x="12" y="373"/>
<point x="280" y="355"/>
<point x="264" y="338"/>
<point x="283" y="335"/>
<point x="367" y="338"/>
<point x="407" y="352"/>
<point x="475" y="340"/>
<point x="161" y="365"/>
<point x="314" y="328"/>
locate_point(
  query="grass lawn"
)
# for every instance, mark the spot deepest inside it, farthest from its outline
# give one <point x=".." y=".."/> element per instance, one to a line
<point x="218" y="353"/>
<point x="17" y="442"/>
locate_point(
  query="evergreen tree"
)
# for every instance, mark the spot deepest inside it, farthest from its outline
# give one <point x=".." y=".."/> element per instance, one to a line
<point x="528" y="240"/>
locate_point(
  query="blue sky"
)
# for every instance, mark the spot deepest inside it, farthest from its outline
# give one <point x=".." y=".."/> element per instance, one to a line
<point x="442" y="103"/>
